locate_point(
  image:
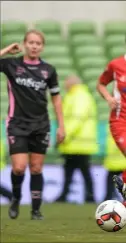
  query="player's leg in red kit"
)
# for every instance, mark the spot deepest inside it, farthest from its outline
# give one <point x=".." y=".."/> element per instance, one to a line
<point x="124" y="176"/>
<point x="124" y="180"/>
<point x="121" y="183"/>
<point x="120" y="139"/>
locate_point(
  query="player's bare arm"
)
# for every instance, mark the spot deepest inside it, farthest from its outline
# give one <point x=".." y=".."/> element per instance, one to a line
<point x="57" y="103"/>
<point x="11" y="49"/>
<point x="112" y="101"/>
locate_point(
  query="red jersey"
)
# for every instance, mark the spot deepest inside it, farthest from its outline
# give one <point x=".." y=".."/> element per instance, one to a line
<point x="116" y="72"/>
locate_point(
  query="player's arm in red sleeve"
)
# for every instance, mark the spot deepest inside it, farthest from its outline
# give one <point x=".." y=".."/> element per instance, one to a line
<point x="105" y="78"/>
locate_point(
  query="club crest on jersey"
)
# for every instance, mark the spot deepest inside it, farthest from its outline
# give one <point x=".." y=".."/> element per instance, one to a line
<point x="121" y="140"/>
<point x="20" y="70"/>
<point x="44" y="74"/>
<point x="123" y="78"/>
<point x="11" y="139"/>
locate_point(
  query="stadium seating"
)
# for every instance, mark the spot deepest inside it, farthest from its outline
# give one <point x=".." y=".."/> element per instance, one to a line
<point x="92" y="62"/>
<point x="12" y="38"/>
<point x="64" y="73"/>
<point x="95" y="50"/>
<point x="82" y="39"/>
<point x="114" y="27"/>
<point x="59" y="50"/>
<point x="116" y="51"/>
<point x="91" y="74"/>
<point x="13" y="27"/>
<point x="49" y="27"/>
<point x="82" y="27"/>
<point x="54" y="39"/>
<point x="60" y="62"/>
<point x="114" y="40"/>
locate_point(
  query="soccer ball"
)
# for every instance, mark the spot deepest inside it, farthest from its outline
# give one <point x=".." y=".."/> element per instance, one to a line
<point x="111" y="215"/>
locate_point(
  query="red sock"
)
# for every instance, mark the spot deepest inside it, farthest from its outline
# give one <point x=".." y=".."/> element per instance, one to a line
<point x="124" y="176"/>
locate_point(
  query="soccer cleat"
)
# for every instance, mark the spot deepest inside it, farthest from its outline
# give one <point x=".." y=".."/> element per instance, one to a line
<point x="14" y="208"/>
<point x="119" y="185"/>
<point x="36" y="215"/>
<point x="124" y="190"/>
<point x="60" y="199"/>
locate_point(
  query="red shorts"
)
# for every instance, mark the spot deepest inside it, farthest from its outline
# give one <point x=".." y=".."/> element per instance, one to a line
<point x="118" y="131"/>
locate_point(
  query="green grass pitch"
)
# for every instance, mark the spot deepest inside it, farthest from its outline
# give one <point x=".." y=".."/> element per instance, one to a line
<point x="62" y="223"/>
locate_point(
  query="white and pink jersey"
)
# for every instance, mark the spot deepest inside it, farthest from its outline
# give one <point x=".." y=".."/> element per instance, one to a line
<point x="116" y="72"/>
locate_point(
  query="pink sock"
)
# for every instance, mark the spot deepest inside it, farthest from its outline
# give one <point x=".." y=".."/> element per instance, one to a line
<point x="124" y="176"/>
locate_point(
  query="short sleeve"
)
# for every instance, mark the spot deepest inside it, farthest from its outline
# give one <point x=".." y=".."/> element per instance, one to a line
<point x="108" y="75"/>
<point x="53" y="83"/>
<point x="4" y="65"/>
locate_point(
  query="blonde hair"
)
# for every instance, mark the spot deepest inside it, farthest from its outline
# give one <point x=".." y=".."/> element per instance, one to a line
<point x="36" y="32"/>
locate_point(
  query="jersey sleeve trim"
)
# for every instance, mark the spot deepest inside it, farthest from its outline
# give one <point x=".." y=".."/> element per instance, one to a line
<point x="53" y="84"/>
<point x="108" y="75"/>
<point x="54" y="90"/>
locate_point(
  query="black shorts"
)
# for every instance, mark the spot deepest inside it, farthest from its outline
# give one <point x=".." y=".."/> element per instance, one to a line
<point x="27" y="137"/>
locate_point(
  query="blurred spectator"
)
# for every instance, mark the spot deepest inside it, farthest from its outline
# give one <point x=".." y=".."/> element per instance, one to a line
<point x="3" y="190"/>
<point x="115" y="163"/>
<point x="80" y="123"/>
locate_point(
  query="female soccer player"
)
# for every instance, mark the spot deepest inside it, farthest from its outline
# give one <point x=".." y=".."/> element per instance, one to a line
<point x="28" y="125"/>
<point x="116" y="70"/>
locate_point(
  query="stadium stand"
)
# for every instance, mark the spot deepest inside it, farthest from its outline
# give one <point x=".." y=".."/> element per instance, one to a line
<point x="82" y="27"/>
<point x="114" y="27"/>
<point x="13" y="27"/>
<point x="49" y="27"/>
